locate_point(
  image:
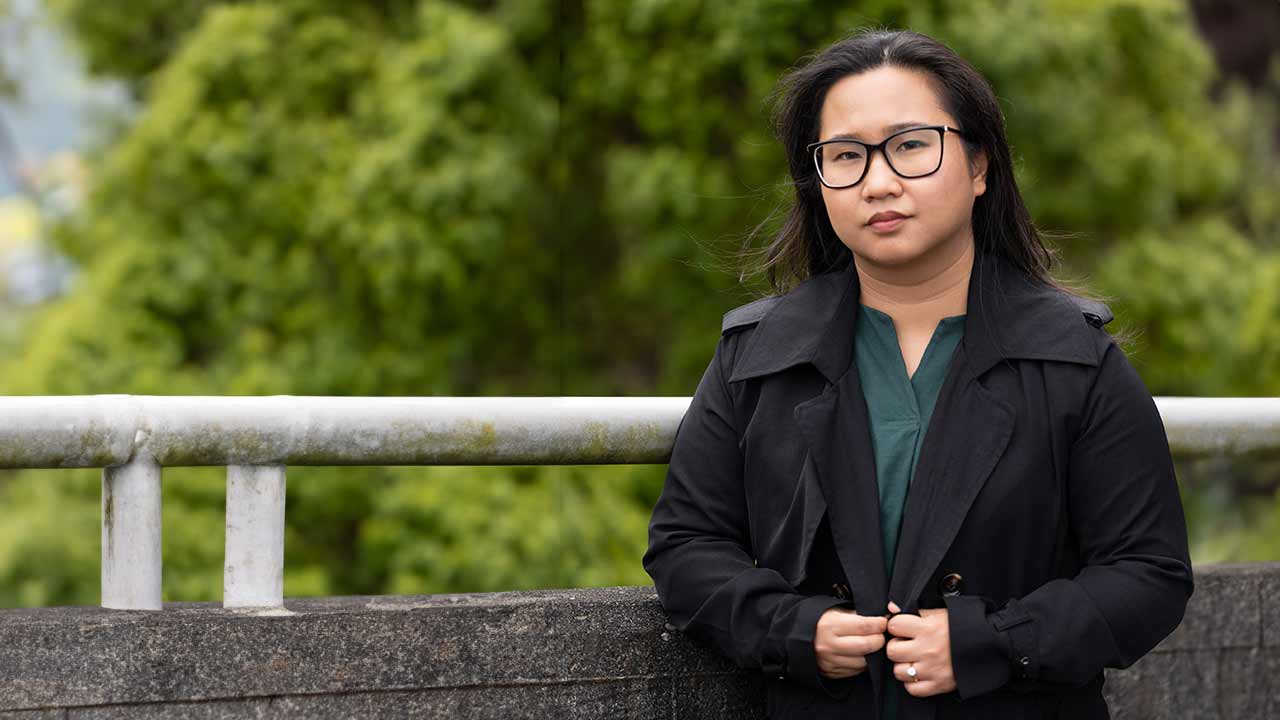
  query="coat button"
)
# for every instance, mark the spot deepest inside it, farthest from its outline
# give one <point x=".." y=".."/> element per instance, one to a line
<point x="840" y="590"/>
<point x="951" y="584"/>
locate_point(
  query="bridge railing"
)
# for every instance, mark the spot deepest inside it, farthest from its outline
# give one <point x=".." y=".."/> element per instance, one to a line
<point x="133" y="437"/>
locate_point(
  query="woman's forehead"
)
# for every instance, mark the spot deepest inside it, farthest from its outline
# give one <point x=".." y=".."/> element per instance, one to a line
<point x="878" y="102"/>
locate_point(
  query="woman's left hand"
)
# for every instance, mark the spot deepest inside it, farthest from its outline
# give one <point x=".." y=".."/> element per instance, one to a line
<point x="924" y="642"/>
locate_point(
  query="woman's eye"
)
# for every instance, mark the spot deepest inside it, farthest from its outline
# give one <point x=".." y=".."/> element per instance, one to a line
<point x="847" y="155"/>
<point x="914" y="144"/>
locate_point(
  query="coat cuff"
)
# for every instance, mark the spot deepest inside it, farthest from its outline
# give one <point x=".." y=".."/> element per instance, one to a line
<point x="981" y="655"/>
<point x="802" y="661"/>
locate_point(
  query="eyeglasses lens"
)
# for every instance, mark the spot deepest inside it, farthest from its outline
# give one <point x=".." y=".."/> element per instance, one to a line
<point x="912" y="154"/>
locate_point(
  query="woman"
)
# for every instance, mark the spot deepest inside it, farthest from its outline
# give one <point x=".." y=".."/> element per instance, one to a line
<point x="924" y="482"/>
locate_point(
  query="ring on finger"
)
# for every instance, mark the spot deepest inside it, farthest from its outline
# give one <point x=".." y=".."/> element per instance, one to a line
<point x="911" y="672"/>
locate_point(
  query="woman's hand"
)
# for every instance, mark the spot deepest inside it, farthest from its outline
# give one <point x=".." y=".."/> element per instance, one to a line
<point x="844" y="639"/>
<point x="923" y="642"/>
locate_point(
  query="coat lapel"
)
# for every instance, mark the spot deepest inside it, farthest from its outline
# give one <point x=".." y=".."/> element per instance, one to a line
<point x="816" y="324"/>
<point x="835" y="424"/>
<point x="965" y="439"/>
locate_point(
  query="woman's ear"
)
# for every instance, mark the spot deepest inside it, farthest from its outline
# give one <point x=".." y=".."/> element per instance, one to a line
<point x="979" y="166"/>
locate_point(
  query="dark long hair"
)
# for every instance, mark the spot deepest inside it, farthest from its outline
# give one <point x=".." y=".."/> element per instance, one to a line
<point x="806" y="245"/>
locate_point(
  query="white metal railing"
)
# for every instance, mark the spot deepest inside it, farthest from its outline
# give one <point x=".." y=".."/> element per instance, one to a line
<point x="132" y="437"/>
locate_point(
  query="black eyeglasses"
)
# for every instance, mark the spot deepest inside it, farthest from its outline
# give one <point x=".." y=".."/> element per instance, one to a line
<point x="911" y="153"/>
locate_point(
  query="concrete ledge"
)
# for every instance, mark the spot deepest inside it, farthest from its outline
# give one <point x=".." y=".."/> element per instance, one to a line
<point x="579" y="653"/>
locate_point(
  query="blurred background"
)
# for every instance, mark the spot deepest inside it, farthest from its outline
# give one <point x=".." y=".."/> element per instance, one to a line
<point x="539" y="197"/>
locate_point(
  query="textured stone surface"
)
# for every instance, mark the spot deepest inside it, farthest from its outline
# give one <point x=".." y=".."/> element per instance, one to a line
<point x="665" y="697"/>
<point x="1249" y="684"/>
<point x="567" y="654"/>
<point x="1160" y="682"/>
<point x="199" y="651"/>
<point x="1225" y="610"/>
<point x="1270" y="590"/>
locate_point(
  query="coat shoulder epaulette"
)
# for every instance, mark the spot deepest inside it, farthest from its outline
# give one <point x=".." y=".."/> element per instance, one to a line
<point x="747" y="315"/>
<point x="1095" y="312"/>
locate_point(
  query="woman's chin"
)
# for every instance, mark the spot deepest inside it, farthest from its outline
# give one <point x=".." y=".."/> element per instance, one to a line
<point x="888" y="251"/>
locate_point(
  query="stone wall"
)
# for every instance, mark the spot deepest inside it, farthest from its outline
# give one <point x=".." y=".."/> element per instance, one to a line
<point x="563" y="654"/>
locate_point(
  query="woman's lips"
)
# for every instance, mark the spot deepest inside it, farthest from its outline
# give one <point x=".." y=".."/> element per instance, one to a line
<point x="887" y="225"/>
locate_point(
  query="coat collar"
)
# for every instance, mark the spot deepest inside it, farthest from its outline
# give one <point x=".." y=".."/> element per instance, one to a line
<point x="1008" y="316"/>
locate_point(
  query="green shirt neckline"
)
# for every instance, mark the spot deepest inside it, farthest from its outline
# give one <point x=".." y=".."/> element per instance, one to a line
<point x="952" y="324"/>
<point x="899" y="408"/>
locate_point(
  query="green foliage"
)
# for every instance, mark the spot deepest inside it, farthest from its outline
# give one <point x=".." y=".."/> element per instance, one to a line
<point x="8" y="87"/>
<point x="49" y="541"/>
<point x="535" y="198"/>
<point x="133" y="44"/>
<point x="1205" y="298"/>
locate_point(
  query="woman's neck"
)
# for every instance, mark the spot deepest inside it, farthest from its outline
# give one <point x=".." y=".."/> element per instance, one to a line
<point x="919" y="296"/>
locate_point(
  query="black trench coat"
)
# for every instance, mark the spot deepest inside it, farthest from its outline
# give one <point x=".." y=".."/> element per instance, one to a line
<point x="1043" y="513"/>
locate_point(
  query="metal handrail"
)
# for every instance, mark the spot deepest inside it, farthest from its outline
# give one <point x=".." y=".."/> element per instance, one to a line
<point x="132" y="437"/>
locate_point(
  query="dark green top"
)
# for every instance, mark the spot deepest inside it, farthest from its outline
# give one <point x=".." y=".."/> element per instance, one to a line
<point x="899" y="409"/>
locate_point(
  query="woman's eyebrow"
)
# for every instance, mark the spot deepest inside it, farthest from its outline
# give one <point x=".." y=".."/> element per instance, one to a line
<point x="887" y="130"/>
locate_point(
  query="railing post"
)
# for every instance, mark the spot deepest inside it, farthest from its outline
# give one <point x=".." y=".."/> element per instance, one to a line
<point x="131" y="557"/>
<point x="253" y="574"/>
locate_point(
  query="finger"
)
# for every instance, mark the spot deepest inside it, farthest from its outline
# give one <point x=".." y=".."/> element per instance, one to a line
<point x="903" y="651"/>
<point x="840" y="663"/>
<point x="893" y="607"/>
<point x="900" y="673"/>
<point x="837" y="620"/>
<point x="840" y="674"/>
<point x="827" y="670"/>
<point x="906" y="625"/>
<point x="923" y="688"/>
<point x="855" y="645"/>
<point x="845" y="661"/>
<point x="851" y="623"/>
<point x="833" y="618"/>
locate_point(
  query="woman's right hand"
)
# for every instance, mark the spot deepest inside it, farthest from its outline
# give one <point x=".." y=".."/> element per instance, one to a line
<point x="844" y="638"/>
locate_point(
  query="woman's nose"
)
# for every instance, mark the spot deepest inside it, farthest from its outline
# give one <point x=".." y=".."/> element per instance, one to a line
<point x="880" y="178"/>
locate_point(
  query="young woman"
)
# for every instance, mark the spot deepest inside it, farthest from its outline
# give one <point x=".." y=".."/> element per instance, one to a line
<point x="923" y="481"/>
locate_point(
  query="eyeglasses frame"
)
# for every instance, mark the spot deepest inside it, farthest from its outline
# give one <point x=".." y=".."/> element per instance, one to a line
<point x="942" y="134"/>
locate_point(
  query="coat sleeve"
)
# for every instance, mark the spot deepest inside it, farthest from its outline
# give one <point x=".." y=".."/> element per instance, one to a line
<point x="699" y="552"/>
<point x="1127" y="522"/>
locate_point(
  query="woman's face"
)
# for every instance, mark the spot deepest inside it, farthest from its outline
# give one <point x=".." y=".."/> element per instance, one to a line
<point x="938" y="207"/>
